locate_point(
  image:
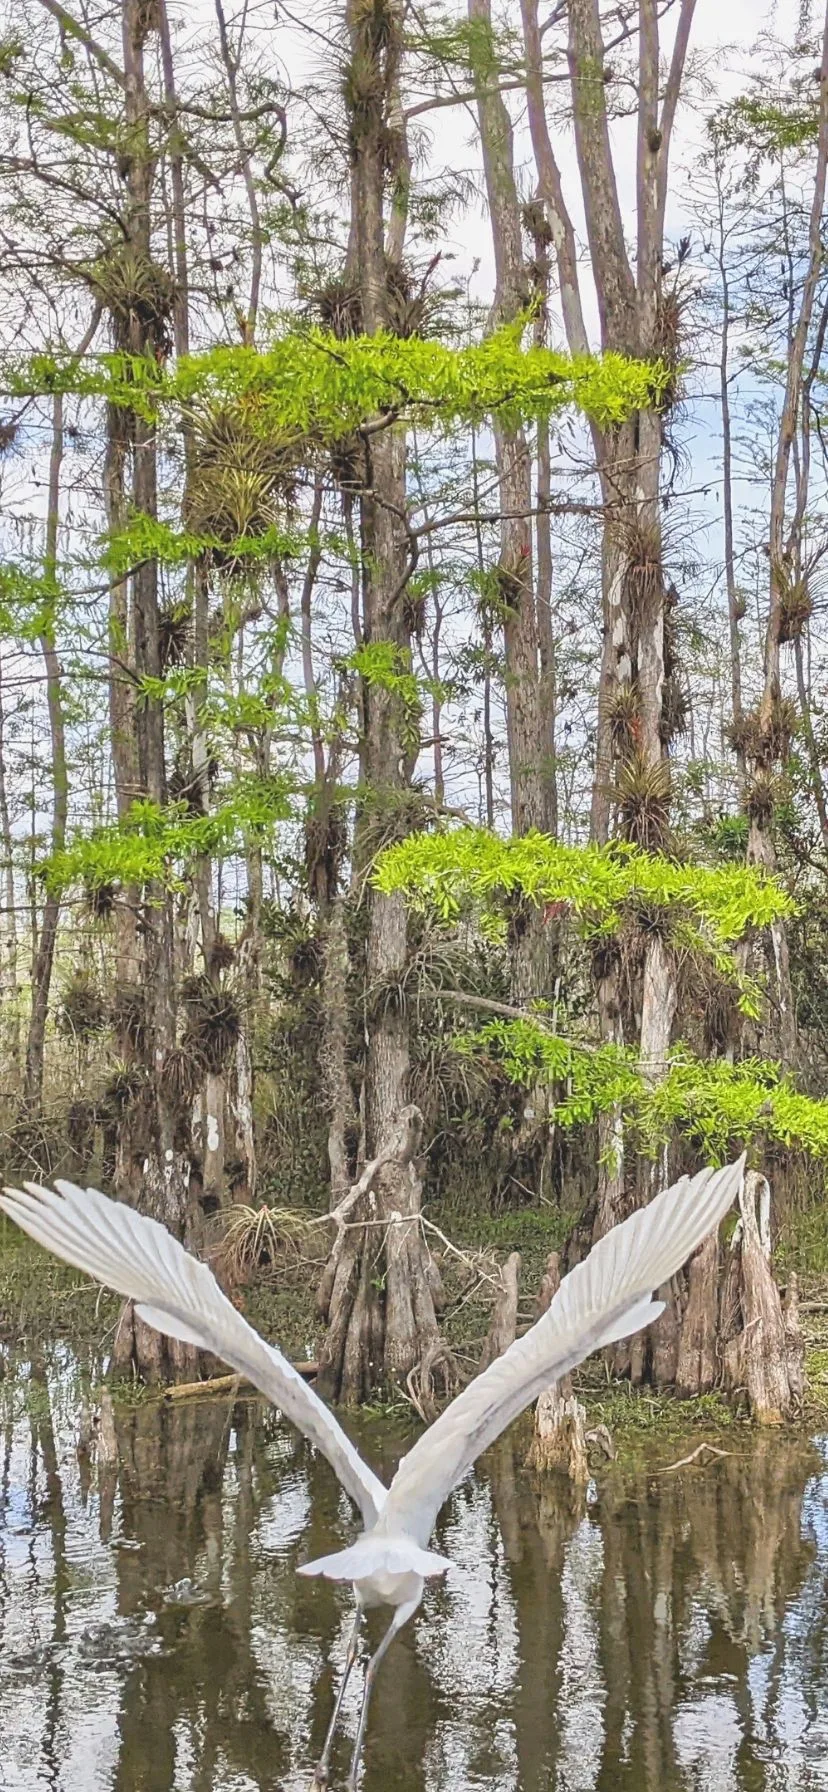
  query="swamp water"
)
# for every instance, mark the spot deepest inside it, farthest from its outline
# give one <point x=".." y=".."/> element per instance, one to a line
<point x="669" y="1633"/>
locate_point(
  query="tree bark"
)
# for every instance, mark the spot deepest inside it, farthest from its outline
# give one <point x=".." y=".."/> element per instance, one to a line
<point x="761" y="850"/>
<point x="697" y="1365"/>
<point x="529" y="798"/>
<point x="503" y="1329"/>
<point x="382" y="1320"/>
<point x="763" y="1355"/>
<point x="531" y="777"/>
<point x="337" y="1082"/>
<point x="155" y="1141"/>
<point x="735" y="604"/>
<point x="9" y="986"/>
<point x="45" y="955"/>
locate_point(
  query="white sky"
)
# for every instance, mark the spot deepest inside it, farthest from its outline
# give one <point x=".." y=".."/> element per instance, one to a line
<point x="723" y="37"/>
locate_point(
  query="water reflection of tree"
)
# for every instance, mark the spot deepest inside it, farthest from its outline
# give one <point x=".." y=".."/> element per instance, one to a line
<point x="50" y="1509"/>
<point x="725" y="1542"/>
<point x="699" y="1570"/>
<point x="403" y="1708"/>
<point x="198" y="1514"/>
<point x="171" y="1469"/>
<point x="694" y="1577"/>
<point x="536" y="1520"/>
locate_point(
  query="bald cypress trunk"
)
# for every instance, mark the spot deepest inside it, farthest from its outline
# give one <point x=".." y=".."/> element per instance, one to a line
<point x="769" y="735"/>
<point x="377" y="1293"/>
<point x="639" y="695"/>
<point x="45" y="954"/>
<point x="527" y="643"/>
<point x="154" y="1149"/>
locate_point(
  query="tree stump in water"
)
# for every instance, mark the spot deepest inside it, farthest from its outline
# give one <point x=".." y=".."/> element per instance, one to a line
<point x="762" y="1343"/>
<point x="696" y="1366"/>
<point x="504" y="1322"/>
<point x="559" y="1443"/>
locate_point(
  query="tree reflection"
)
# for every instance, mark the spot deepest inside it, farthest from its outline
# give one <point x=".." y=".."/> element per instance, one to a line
<point x="699" y="1570"/>
<point x="669" y="1634"/>
<point x="537" y="1520"/>
<point x="206" y="1695"/>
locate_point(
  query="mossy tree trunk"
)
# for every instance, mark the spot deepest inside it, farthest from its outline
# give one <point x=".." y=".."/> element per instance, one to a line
<point x="769" y="738"/>
<point x="379" y="1301"/>
<point x="528" y="690"/>
<point x="155" y="1145"/>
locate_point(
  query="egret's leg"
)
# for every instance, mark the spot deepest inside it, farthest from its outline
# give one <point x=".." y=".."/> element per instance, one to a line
<point x="401" y="1617"/>
<point x="320" y="1778"/>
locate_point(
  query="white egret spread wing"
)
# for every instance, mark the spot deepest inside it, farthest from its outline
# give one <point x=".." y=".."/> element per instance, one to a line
<point x="605" y="1298"/>
<point x="177" y="1295"/>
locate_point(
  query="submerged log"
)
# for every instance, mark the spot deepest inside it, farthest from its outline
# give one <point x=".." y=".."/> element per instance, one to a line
<point x="224" y="1384"/>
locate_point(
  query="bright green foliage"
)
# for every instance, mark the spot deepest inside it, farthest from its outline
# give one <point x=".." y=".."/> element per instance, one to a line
<point x="145" y="539"/>
<point x="274" y="698"/>
<point x="470" y="867"/>
<point x="388" y="667"/>
<point x="155" y="845"/>
<point x="715" y="1104"/>
<point x="529" y="1054"/>
<point x="718" y="1103"/>
<point x="767" y="127"/>
<point x="27" y="602"/>
<point x="313" y="387"/>
<point x="173" y="686"/>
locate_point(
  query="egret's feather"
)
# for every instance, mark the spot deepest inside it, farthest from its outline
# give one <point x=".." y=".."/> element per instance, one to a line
<point x="180" y="1296"/>
<point x="605" y="1298"/>
<point x="373" y="1555"/>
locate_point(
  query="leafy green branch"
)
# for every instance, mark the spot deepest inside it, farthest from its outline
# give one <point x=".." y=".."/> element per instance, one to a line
<point x="144" y="538"/>
<point x="152" y="844"/>
<point x="312" y="386"/>
<point x="470" y="868"/>
<point x="716" y="1105"/>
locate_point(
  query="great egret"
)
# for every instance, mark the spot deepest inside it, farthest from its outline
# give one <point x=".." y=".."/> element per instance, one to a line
<point x="605" y="1298"/>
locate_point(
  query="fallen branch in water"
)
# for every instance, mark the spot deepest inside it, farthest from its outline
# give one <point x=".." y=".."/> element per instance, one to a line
<point x="694" y="1454"/>
<point x="223" y="1384"/>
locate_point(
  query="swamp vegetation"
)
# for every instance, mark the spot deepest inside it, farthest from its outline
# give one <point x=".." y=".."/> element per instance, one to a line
<point x="412" y="677"/>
